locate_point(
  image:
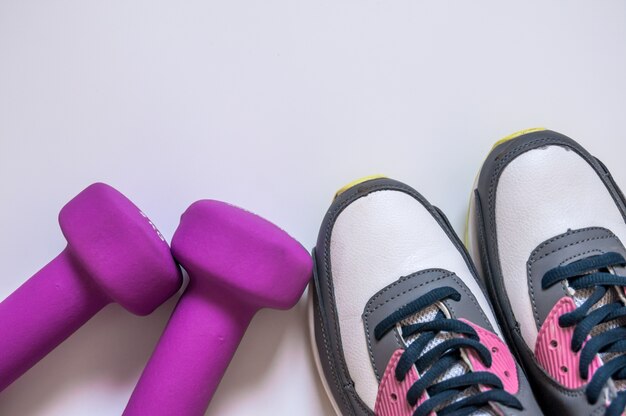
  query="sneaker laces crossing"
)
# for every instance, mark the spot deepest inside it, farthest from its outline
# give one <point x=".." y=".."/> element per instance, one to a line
<point x="432" y="363"/>
<point x="594" y="273"/>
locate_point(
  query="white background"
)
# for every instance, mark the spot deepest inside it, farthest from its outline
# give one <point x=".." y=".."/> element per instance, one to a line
<point x="271" y="105"/>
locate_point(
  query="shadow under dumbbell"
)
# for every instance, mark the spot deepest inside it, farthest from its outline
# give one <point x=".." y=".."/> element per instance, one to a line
<point x="272" y="336"/>
<point x="254" y="358"/>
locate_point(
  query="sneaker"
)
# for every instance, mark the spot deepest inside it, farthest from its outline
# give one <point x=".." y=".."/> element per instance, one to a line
<point x="546" y="225"/>
<point x="399" y="322"/>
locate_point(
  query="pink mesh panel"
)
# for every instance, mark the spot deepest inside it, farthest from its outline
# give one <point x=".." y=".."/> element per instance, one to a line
<point x="553" y="348"/>
<point x="391" y="399"/>
<point x="502" y="361"/>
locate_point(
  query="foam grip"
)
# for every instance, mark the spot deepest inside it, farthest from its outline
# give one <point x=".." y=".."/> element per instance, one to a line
<point x="192" y="355"/>
<point x="42" y="313"/>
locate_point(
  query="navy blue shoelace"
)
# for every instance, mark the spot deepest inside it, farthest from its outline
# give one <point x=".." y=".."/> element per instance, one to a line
<point x="433" y="363"/>
<point x="592" y="273"/>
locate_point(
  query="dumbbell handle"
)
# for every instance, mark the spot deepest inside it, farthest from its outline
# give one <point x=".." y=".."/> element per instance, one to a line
<point x="42" y="313"/>
<point x="192" y="355"/>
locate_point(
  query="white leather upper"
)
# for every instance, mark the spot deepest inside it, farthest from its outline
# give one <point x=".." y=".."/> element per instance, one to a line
<point x="542" y="193"/>
<point x="376" y="240"/>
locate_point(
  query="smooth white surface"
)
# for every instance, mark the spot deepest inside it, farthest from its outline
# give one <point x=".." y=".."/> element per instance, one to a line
<point x="375" y="240"/>
<point x="271" y="105"/>
<point x="541" y="194"/>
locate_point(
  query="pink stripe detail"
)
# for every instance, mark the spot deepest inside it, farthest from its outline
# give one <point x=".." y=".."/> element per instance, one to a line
<point x="391" y="399"/>
<point x="502" y="362"/>
<point x="553" y="348"/>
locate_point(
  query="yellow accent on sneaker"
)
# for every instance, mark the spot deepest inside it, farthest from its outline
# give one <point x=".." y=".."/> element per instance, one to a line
<point x="356" y="182"/>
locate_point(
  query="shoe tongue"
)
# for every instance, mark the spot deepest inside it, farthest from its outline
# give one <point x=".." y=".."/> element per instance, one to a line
<point x="403" y="291"/>
<point x="459" y="368"/>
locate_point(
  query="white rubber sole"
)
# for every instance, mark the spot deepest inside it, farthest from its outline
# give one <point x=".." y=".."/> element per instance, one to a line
<point x="315" y="352"/>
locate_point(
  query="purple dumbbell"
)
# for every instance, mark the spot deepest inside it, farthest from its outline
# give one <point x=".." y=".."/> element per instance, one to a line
<point x="238" y="263"/>
<point x="114" y="254"/>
